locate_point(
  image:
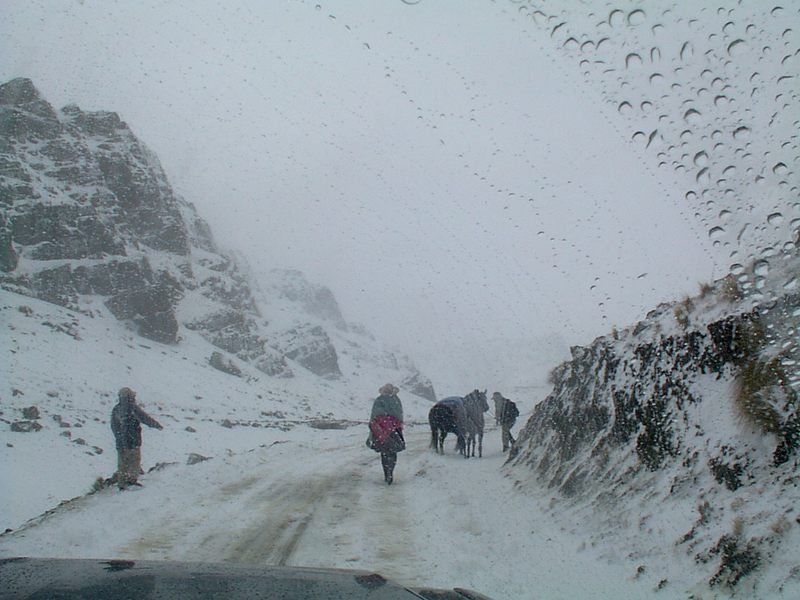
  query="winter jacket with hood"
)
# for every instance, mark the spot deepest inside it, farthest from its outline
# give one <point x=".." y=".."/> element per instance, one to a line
<point x="386" y="423"/>
<point x="126" y="420"/>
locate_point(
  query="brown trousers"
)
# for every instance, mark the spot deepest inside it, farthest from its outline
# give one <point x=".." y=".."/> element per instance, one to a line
<point x="129" y="464"/>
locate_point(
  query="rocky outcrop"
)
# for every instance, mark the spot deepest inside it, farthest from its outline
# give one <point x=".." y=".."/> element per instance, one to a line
<point x="419" y="385"/>
<point x="219" y="362"/>
<point x="646" y="416"/>
<point x="310" y="346"/>
<point x="87" y="212"/>
<point x="89" y="221"/>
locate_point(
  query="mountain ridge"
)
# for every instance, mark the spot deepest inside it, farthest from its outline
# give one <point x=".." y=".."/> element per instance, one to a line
<point x="90" y="222"/>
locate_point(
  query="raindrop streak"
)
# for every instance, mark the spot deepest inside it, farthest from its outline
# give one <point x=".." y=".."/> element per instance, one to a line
<point x="687" y="51"/>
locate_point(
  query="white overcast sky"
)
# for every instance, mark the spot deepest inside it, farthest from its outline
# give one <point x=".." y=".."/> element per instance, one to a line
<point x="441" y="166"/>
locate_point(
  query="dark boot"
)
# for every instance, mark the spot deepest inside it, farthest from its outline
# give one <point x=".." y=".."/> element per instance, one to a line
<point x="388" y="460"/>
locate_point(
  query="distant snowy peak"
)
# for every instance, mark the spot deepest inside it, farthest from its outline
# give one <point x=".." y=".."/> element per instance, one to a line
<point x="89" y="221"/>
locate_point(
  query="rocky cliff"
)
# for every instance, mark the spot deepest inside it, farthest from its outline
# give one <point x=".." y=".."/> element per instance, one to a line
<point x="89" y="221"/>
<point x="682" y="432"/>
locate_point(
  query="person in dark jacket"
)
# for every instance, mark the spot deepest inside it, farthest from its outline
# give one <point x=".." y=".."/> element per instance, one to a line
<point x="126" y="424"/>
<point x="386" y="429"/>
<point x="507" y="417"/>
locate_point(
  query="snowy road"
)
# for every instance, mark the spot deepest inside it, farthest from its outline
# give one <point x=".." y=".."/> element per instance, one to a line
<point x="321" y="501"/>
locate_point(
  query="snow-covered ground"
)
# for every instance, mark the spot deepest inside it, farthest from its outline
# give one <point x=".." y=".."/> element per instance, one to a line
<point x="318" y="499"/>
<point x="277" y="490"/>
<point x="280" y="487"/>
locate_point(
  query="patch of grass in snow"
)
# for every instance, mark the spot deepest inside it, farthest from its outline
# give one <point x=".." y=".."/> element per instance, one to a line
<point x="729" y="290"/>
<point x="757" y="386"/>
<point x="705" y="289"/>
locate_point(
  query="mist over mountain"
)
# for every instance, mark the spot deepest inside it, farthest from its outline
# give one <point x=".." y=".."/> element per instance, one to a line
<point x="91" y="223"/>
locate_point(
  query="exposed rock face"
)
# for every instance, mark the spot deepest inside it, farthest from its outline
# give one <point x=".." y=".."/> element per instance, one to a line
<point x="679" y="406"/>
<point x="88" y="220"/>
<point x="310" y="346"/>
<point x="219" y="362"/>
<point x="25" y="426"/>
<point x="418" y="384"/>
<point x="81" y="193"/>
<point x="87" y="211"/>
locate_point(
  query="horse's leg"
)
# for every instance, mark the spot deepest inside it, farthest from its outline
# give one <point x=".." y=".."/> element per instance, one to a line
<point x="480" y="444"/>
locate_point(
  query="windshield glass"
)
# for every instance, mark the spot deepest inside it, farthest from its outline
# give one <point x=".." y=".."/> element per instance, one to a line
<point x="247" y="247"/>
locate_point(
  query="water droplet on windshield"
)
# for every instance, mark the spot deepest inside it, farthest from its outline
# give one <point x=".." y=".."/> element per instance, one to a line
<point x="693" y="117"/>
<point x="615" y="18"/>
<point x="741" y="133"/>
<point x="761" y="268"/>
<point x="655" y="55"/>
<point x="636" y="17"/>
<point x="687" y="51"/>
<point x="775" y="218"/>
<point x="701" y="159"/>
<point x="737" y="47"/>
<point x="633" y="61"/>
<point x="780" y="169"/>
<point x="716" y="233"/>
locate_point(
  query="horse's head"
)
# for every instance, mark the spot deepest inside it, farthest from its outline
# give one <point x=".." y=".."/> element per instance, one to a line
<point x="480" y="398"/>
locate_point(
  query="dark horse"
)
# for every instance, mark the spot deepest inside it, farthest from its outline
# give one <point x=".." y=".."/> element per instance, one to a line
<point x="475" y="404"/>
<point x="448" y="416"/>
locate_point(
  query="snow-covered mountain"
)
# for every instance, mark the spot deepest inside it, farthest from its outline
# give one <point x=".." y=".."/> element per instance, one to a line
<point x="109" y="279"/>
<point x="675" y="442"/>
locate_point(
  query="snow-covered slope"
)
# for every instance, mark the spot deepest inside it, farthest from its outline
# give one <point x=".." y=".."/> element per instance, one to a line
<point x="675" y="442"/>
<point x="108" y="279"/>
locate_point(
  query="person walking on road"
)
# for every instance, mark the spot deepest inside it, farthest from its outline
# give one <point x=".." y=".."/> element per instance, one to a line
<point x="386" y="429"/>
<point x="126" y="424"/>
<point x="508" y="413"/>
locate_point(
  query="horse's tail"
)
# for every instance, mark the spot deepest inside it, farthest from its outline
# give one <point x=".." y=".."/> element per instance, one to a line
<point x="434" y="444"/>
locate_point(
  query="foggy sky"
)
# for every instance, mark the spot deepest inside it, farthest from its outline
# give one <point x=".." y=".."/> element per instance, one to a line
<point x="448" y="174"/>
